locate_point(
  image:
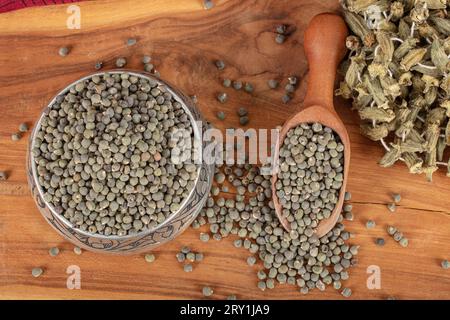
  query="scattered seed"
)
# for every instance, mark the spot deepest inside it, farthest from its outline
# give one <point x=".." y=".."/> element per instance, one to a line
<point x="131" y="42"/>
<point x="404" y="242"/>
<point x="23" y="127"/>
<point x="146" y="59"/>
<point x="347" y="196"/>
<point x="199" y="256"/>
<point x="121" y="62"/>
<point x="248" y="87"/>
<point x="243" y="120"/>
<point x="204" y="237"/>
<point x="445" y="264"/>
<point x="187" y="268"/>
<point x="281" y="29"/>
<point x="220" y="115"/>
<point x="16" y="136"/>
<point x="190" y="256"/>
<point x="226" y="83"/>
<point x="37" y="272"/>
<point x="3" y="176"/>
<point x="207" y="291"/>
<point x="346" y="292"/>
<point x="348" y="216"/>
<point x="185" y="250"/>
<point x="149" y="257"/>
<point x="237" y="85"/>
<point x="272" y="84"/>
<point x="398" y="236"/>
<point x="379" y="242"/>
<point x="348" y="208"/>
<point x="391" y="230"/>
<point x="262" y="285"/>
<point x="289" y="88"/>
<point x="77" y="250"/>
<point x="222" y="97"/>
<point x="53" y="251"/>
<point x="286" y="98"/>
<point x="370" y="224"/>
<point x="232" y="297"/>
<point x="251" y="260"/>
<point x="280" y="38"/>
<point x="149" y="67"/>
<point x="98" y="65"/>
<point x="242" y="112"/>
<point x="397" y="197"/>
<point x="293" y="80"/>
<point x="220" y="64"/>
<point x="64" y="51"/>
<point x="392" y="207"/>
<point x="181" y="257"/>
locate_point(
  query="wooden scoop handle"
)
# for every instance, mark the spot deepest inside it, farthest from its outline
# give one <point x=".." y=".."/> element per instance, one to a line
<point x="324" y="44"/>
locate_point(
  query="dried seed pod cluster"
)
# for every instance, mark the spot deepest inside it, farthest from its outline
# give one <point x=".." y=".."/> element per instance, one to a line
<point x="397" y="74"/>
<point x="310" y="175"/>
<point x="297" y="257"/>
<point x="104" y="154"/>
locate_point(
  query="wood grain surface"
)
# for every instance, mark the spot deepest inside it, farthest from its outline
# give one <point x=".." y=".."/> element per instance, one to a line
<point x="184" y="40"/>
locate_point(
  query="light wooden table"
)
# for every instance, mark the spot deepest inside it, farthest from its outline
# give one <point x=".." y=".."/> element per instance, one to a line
<point x="184" y="39"/>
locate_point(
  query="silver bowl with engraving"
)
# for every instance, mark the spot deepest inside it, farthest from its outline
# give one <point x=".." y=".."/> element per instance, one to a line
<point x="147" y="239"/>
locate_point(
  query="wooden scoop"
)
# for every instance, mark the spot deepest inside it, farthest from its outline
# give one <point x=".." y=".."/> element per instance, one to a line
<point x="324" y="44"/>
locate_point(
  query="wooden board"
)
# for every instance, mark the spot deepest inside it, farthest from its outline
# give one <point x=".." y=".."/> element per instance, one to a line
<point x="184" y="39"/>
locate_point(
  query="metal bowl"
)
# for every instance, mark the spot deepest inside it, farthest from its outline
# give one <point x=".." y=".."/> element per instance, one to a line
<point x="146" y="240"/>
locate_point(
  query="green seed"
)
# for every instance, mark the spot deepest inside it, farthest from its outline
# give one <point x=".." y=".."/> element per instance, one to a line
<point x="232" y="297"/>
<point x="293" y="80"/>
<point x="286" y="98"/>
<point x="251" y="261"/>
<point x="207" y="291"/>
<point x="149" y="67"/>
<point x="262" y="285"/>
<point x="289" y="88"/>
<point x="370" y="224"/>
<point x="380" y="242"/>
<point x="445" y="264"/>
<point x="187" y="268"/>
<point x="248" y="87"/>
<point x="281" y="29"/>
<point x="36" y="272"/>
<point x="391" y="230"/>
<point x="190" y="256"/>
<point x="16" y="136"/>
<point x="220" y="64"/>
<point x="237" y="85"/>
<point x="398" y="236"/>
<point x="181" y="257"/>
<point x="280" y="38"/>
<point x="346" y="292"/>
<point x="392" y="207"/>
<point x="121" y="62"/>
<point x="149" y="257"/>
<point x="53" y="251"/>
<point x="242" y="112"/>
<point x="226" y="83"/>
<point x="131" y="42"/>
<point x="64" y="51"/>
<point x="404" y="242"/>
<point x="77" y="250"/>
<point x="348" y="208"/>
<point x="185" y="250"/>
<point x="272" y="84"/>
<point x="347" y="196"/>
<point x="204" y="237"/>
<point x="23" y="127"/>
<point x="199" y="257"/>
<point x="222" y="97"/>
<point x="397" y="197"/>
<point x="3" y="176"/>
<point x="243" y="120"/>
<point x="348" y="216"/>
<point x="220" y="115"/>
<point x="98" y="65"/>
<point x="146" y="59"/>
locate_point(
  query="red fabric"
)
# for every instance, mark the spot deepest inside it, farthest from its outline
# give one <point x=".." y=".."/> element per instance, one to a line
<point x="9" y="5"/>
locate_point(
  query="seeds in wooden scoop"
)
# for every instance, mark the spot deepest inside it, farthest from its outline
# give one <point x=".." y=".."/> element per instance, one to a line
<point x="296" y="257"/>
<point x="310" y="175"/>
<point x="103" y="159"/>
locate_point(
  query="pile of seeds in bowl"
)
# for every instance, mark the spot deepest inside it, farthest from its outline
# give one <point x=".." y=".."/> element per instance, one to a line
<point x="103" y="154"/>
<point x="310" y="175"/>
<point x="296" y="257"/>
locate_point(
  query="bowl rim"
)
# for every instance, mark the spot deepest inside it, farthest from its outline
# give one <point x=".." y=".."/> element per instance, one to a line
<point x="177" y="95"/>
